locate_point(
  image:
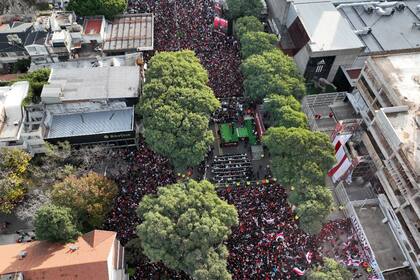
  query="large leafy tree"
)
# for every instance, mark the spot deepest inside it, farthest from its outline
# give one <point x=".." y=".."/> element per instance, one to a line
<point x="284" y="111"/>
<point x="176" y="107"/>
<point x="271" y="72"/>
<point x="240" y="8"/>
<point x="55" y="224"/>
<point x="89" y="198"/>
<point x="312" y="215"/>
<point x="257" y="43"/>
<point x="108" y="8"/>
<point x="292" y="148"/>
<point x="247" y="24"/>
<point x="184" y="226"/>
<point x="314" y="204"/>
<point x="331" y="270"/>
<point x="13" y="168"/>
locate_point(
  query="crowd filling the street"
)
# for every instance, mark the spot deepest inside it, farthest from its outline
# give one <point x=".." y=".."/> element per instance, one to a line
<point x="207" y="163"/>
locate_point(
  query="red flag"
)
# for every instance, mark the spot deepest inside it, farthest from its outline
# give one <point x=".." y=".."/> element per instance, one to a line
<point x="298" y="271"/>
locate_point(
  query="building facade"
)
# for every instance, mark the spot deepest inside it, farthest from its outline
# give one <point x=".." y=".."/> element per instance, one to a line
<point x="388" y="99"/>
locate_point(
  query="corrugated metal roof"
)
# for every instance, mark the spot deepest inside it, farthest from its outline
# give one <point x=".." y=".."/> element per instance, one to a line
<point x="130" y="32"/>
<point x="91" y="123"/>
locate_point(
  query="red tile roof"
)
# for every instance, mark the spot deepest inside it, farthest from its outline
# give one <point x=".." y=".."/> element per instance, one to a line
<point x="52" y="261"/>
<point x="93" y="26"/>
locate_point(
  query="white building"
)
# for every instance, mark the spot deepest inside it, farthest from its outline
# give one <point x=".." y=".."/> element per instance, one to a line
<point x="316" y="35"/>
<point x="12" y="119"/>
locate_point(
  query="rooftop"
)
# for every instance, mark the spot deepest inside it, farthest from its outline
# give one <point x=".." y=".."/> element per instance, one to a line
<point x="130" y="32"/>
<point x="92" y="62"/>
<point x="401" y="73"/>
<point x="16" y="27"/>
<point x="326" y="28"/>
<point x="61" y="19"/>
<point x="75" y="84"/>
<point x="387" y="252"/>
<point x="36" y="38"/>
<point x="91" y="123"/>
<point x="49" y="261"/>
<point x="398" y="31"/>
<point x="11" y="114"/>
<point x="93" y="25"/>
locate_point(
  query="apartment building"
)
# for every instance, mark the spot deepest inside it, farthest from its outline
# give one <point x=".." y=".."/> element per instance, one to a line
<point x="388" y="99"/>
<point x="378" y="125"/>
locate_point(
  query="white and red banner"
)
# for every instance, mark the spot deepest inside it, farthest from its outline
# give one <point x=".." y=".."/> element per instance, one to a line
<point x="343" y="164"/>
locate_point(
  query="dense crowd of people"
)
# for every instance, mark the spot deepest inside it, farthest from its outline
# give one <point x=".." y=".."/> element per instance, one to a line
<point x="268" y="243"/>
<point x="188" y="24"/>
<point x="338" y="240"/>
<point x="143" y="173"/>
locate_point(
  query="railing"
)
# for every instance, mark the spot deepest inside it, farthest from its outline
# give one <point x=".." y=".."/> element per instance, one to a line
<point x="351" y="213"/>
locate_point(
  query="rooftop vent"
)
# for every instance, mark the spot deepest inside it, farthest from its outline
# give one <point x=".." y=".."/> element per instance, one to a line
<point x="363" y="31"/>
<point x="416" y="25"/>
<point x="73" y="248"/>
<point x="22" y="254"/>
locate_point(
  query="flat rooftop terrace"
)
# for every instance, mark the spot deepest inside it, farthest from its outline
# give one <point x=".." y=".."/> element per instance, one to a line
<point x="387" y="252"/>
<point x="402" y="74"/>
<point x="326" y="28"/>
<point x="388" y="33"/>
<point x="75" y="84"/>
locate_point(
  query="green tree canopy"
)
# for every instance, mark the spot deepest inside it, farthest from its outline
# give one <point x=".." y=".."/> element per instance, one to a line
<point x="320" y="193"/>
<point x="89" y="198"/>
<point x="292" y="148"/>
<point x="240" y="8"/>
<point x="176" y="107"/>
<point x="331" y="270"/>
<point x="247" y="24"/>
<point x="184" y="226"/>
<point x="257" y="43"/>
<point x="108" y="8"/>
<point x="13" y="162"/>
<point x="314" y="204"/>
<point x="13" y="167"/>
<point x="284" y="111"/>
<point x="55" y="224"/>
<point x="273" y="73"/>
<point x="37" y="79"/>
<point x="312" y="215"/>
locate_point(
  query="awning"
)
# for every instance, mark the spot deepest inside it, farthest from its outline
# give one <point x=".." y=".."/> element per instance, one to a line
<point x="259" y="124"/>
